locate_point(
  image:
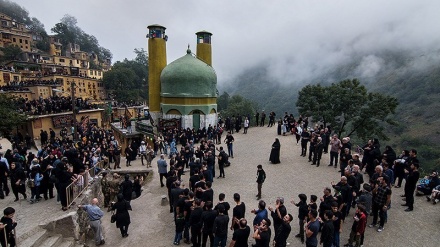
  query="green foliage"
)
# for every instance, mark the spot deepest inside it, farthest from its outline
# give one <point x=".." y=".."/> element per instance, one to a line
<point x="10" y="118"/>
<point x="9" y="53"/>
<point x="129" y="79"/>
<point x="223" y="102"/>
<point x="237" y="105"/>
<point x="68" y="32"/>
<point x="348" y="108"/>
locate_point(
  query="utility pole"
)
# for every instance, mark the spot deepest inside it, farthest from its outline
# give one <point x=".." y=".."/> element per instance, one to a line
<point x="72" y="90"/>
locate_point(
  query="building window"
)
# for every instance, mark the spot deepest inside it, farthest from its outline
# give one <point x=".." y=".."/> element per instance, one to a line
<point x="21" y="41"/>
<point x="25" y="41"/>
<point x="61" y="60"/>
<point x="13" y="39"/>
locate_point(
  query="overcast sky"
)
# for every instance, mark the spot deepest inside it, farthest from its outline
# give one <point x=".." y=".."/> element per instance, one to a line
<point x="297" y="38"/>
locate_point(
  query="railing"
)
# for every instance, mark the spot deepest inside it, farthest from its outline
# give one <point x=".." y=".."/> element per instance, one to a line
<point x="81" y="183"/>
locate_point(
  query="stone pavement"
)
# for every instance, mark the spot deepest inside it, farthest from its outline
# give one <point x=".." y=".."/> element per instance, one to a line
<point x="152" y="224"/>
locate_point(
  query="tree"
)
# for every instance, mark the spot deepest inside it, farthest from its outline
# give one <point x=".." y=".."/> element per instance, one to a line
<point x="223" y="101"/>
<point x="10" y="118"/>
<point x="68" y="31"/>
<point x="9" y="53"/>
<point x="349" y="108"/>
<point x="129" y="79"/>
<point x="238" y="105"/>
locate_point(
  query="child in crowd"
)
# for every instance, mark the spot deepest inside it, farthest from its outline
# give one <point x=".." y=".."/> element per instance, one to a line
<point x="180" y="225"/>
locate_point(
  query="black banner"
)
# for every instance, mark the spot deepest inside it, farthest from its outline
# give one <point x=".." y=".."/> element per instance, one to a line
<point x="167" y="124"/>
<point x="144" y="128"/>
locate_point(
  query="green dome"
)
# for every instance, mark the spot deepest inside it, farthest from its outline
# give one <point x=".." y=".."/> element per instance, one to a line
<point x="188" y="76"/>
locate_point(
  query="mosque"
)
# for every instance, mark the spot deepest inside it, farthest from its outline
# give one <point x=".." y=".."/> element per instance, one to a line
<point x="184" y="92"/>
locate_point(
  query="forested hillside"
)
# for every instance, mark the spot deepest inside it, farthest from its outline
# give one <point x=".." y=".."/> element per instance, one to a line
<point x="414" y="79"/>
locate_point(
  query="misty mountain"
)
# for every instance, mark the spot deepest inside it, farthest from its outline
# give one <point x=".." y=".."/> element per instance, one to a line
<point x="410" y="76"/>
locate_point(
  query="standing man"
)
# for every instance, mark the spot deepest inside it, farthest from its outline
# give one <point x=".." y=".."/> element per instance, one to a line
<point x="162" y="168"/>
<point x="263" y="118"/>
<point x="220" y="227"/>
<point x="328" y="229"/>
<point x="95" y="214"/>
<point x="410" y="185"/>
<point x="335" y="148"/>
<point x="278" y="214"/>
<point x="238" y="212"/>
<point x="246" y="125"/>
<point x="312" y="229"/>
<point x="261" y="176"/>
<point x="262" y="233"/>
<point x="381" y="202"/>
<point x="305" y="137"/>
<point x="241" y="235"/>
<point x="229" y="141"/>
<point x="284" y="230"/>
<point x="257" y="118"/>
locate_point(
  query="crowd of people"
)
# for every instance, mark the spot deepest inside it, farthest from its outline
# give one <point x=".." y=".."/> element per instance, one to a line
<point x="51" y="105"/>
<point x="197" y="218"/>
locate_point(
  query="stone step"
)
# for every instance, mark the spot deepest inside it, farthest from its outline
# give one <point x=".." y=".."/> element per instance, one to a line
<point x="67" y="243"/>
<point x="35" y="239"/>
<point x="52" y="241"/>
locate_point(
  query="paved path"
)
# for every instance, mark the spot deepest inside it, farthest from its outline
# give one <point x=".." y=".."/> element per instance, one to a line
<point x="152" y="224"/>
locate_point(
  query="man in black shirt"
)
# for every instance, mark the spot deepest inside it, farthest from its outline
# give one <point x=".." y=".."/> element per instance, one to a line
<point x="410" y="185"/>
<point x="241" y="235"/>
<point x="327" y="230"/>
<point x="283" y="231"/>
<point x="278" y="214"/>
<point x="195" y="222"/>
<point x="261" y="176"/>
<point x="262" y="233"/>
<point x="220" y="228"/>
<point x="238" y="212"/>
<point x="221" y="199"/>
<point x="208" y="217"/>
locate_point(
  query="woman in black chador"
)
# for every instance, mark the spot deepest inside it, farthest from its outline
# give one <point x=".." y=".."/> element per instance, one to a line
<point x="122" y="215"/>
<point x="275" y="152"/>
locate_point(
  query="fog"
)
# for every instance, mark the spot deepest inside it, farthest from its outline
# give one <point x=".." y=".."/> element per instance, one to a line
<point x="298" y="40"/>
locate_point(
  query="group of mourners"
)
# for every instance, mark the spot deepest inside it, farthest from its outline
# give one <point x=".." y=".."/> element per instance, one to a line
<point x="198" y="219"/>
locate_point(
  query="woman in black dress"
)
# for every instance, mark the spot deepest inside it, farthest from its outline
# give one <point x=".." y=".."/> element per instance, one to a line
<point x="275" y="152"/>
<point x="122" y="215"/>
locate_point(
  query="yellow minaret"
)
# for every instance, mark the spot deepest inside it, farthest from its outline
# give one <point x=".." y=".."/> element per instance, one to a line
<point x="204" y="50"/>
<point x="157" y="60"/>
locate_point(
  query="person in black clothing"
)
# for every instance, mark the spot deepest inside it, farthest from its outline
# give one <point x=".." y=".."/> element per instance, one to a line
<point x="305" y="137"/>
<point x="241" y="234"/>
<point x="262" y="233"/>
<point x="127" y="188"/>
<point x="327" y="230"/>
<point x="7" y="225"/>
<point x="238" y="212"/>
<point x="207" y="219"/>
<point x="303" y="211"/>
<point x="220" y="227"/>
<point x="261" y="176"/>
<point x="195" y="222"/>
<point x="284" y="230"/>
<point x="122" y="216"/>
<point x="278" y="214"/>
<point x="221" y="198"/>
<point x="274" y="157"/>
<point x="3" y="176"/>
<point x="319" y="147"/>
<point x="18" y="179"/>
<point x="64" y="179"/>
<point x="410" y="185"/>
